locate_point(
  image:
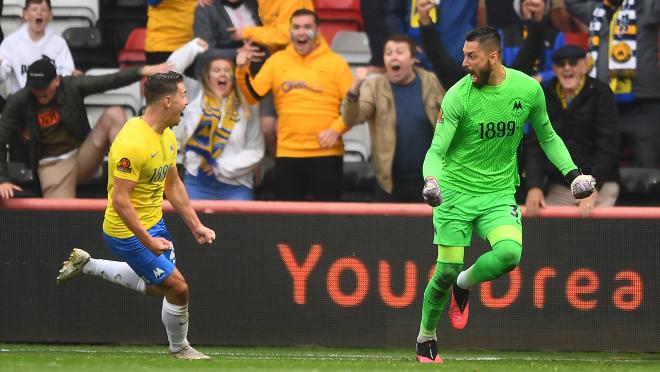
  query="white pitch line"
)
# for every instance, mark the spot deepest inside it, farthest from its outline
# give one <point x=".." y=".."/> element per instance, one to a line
<point x="337" y="357"/>
<point x="554" y="359"/>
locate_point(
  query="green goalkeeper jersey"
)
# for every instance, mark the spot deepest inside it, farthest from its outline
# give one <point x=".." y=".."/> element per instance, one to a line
<point x="479" y="130"/>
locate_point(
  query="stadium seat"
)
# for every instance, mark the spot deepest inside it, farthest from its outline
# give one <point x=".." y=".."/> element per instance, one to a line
<point x="329" y="28"/>
<point x="58" y="25"/>
<point x="117" y="20"/>
<point x="353" y="46"/>
<point x="345" y="5"/>
<point x="130" y="3"/>
<point x="9" y="24"/>
<point x="357" y="144"/>
<point x="87" y="48"/>
<point x="133" y="52"/>
<point x="80" y="9"/>
<point x="127" y="97"/>
<point x="12" y="23"/>
<point x="338" y="15"/>
<point x="82" y="37"/>
<point x="13" y="7"/>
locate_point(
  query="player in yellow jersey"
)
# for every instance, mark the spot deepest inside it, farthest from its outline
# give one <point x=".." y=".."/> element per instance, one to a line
<point x="141" y="166"/>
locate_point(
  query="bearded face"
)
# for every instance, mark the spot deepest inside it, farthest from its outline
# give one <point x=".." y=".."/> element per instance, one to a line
<point x="480" y="77"/>
<point x="476" y="62"/>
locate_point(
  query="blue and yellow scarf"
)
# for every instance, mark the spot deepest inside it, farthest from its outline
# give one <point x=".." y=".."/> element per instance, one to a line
<point x="622" y="50"/>
<point x="214" y="128"/>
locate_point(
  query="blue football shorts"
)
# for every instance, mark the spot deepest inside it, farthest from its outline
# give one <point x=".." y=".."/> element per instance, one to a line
<point x="151" y="268"/>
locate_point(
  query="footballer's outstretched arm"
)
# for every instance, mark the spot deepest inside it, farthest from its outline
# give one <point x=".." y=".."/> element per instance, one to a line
<point x="552" y="145"/>
<point x="581" y="185"/>
<point x="178" y="197"/>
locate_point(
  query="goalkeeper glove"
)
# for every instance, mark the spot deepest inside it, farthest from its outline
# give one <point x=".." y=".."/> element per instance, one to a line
<point x="583" y="186"/>
<point x="431" y="192"/>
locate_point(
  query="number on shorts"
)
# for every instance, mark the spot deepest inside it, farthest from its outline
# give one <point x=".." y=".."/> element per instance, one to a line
<point x="515" y="213"/>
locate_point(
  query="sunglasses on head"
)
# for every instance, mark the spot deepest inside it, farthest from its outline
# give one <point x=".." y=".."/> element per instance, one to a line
<point x="563" y="62"/>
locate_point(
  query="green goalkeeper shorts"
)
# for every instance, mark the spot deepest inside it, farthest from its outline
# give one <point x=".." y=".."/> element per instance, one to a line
<point x="454" y="219"/>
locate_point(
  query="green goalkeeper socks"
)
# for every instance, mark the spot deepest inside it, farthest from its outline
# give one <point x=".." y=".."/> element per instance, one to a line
<point x="436" y="296"/>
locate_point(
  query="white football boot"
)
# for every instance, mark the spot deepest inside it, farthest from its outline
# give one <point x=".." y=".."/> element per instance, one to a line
<point x="73" y="266"/>
<point x="189" y="353"/>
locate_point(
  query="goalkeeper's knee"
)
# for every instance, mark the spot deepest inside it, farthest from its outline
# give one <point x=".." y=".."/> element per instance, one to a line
<point x="507" y="253"/>
<point x="444" y="276"/>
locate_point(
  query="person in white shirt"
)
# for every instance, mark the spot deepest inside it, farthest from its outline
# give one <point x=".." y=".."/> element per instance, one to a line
<point x="31" y="42"/>
<point x="221" y="138"/>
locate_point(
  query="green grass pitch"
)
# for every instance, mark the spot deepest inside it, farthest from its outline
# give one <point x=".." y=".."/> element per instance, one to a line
<point x="97" y="358"/>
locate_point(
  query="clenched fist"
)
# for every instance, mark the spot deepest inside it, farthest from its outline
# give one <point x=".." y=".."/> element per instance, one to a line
<point x="583" y="186"/>
<point x="431" y="192"/>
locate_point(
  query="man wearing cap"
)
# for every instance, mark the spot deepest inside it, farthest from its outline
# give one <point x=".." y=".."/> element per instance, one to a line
<point x="51" y="115"/>
<point x="584" y="114"/>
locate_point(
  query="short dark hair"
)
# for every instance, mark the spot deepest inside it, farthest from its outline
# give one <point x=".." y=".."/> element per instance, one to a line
<point x="304" y="12"/>
<point x="486" y="35"/>
<point x="400" y="38"/>
<point x="161" y="84"/>
<point x="28" y="2"/>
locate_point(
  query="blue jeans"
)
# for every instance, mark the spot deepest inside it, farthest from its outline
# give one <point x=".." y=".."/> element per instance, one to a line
<point x="208" y="188"/>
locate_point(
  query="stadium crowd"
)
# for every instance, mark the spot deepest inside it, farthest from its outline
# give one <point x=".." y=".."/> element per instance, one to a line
<point x="270" y="98"/>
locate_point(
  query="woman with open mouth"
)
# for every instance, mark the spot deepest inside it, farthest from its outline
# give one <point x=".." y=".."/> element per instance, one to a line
<point x="221" y="137"/>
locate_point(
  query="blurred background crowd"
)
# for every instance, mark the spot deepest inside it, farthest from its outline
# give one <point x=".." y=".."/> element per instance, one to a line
<point x="321" y="100"/>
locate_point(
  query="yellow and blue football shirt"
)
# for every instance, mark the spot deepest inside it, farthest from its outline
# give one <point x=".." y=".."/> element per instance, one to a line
<point x="144" y="156"/>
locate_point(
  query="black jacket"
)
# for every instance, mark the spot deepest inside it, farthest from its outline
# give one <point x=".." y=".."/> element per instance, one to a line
<point x="20" y="112"/>
<point x="211" y="24"/>
<point x="590" y="129"/>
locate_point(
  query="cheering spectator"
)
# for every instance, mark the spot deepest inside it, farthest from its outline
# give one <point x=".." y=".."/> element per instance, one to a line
<point x="31" y="42"/>
<point x="627" y="60"/>
<point x="275" y="16"/>
<point x="452" y="20"/>
<point x="502" y="13"/>
<point x="49" y="111"/>
<point x="221" y="138"/>
<point x="401" y="108"/>
<point x="448" y="71"/>
<point x="214" y="23"/>
<point x="583" y="112"/>
<point x="308" y="82"/>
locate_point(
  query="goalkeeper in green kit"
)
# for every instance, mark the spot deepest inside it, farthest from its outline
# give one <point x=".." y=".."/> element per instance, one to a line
<point x="470" y="174"/>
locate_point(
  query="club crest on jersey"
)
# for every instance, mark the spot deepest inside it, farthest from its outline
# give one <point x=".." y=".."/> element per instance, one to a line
<point x="124" y="165"/>
<point x="440" y="119"/>
<point x="517" y="107"/>
<point x="158" y="272"/>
